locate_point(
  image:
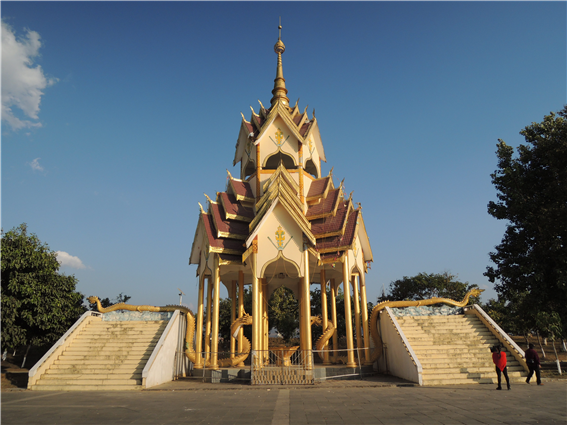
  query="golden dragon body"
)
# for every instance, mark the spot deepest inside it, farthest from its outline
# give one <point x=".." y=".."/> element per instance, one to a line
<point x="379" y="307"/>
<point x="190" y="334"/>
<point x="190" y="352"/>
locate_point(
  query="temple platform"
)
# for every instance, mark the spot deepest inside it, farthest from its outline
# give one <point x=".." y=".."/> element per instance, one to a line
<point x="243" y="375"/>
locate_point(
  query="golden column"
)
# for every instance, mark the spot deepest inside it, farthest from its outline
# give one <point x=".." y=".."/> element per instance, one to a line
<point x="265" y="323"/>
<point x="199" y="336"/>
<point x="324" y="313"/>
<point x="300" y="170"/>
<point x="307" y="310"/>
<point x="256" y="318"/>
<point x="233" y="318"/>
<point x="216" y="302"/>
<point x="365" y="329"/>
<point x="334" y="317"/>
<point x="356" y="313"/>
<point x="258" y="172"/>
<point x="208" y="327"/>
<point x="240" y="311"/>
<point x="348" y="313"/>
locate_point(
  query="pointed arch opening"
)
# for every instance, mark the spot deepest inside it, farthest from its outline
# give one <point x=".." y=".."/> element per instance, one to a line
<point x="249" y="169"/>
<point x="273" y="161"/>
<point x="311" y="168"/>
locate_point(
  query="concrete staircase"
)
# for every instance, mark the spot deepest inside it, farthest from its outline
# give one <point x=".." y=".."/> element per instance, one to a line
<point x="104" y="356"/>
<point x="455" y="350"/>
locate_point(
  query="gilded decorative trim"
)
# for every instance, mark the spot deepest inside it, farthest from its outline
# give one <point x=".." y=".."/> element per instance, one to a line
<point x="231" y="235"/>
<point x="224" y="251"/>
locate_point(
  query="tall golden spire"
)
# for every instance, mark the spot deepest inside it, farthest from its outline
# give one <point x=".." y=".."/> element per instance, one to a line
<point x="279" y="90"/>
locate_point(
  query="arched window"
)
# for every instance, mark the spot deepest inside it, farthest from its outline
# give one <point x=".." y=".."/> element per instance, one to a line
<point x="311" y="168"/>
<point x="250" y="169"/>
<point x="273" y="161"/>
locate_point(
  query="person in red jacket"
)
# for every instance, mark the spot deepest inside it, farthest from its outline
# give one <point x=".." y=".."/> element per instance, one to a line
<point x="532" y="359"/>
<point x="499" y="359"/>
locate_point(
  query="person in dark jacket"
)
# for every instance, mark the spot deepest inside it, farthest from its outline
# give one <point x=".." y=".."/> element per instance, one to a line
<point x="499" y="359"/>
<point x="532" y="359"/>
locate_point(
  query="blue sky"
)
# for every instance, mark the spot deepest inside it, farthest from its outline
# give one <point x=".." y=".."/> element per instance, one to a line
<point x="134" y="114"/>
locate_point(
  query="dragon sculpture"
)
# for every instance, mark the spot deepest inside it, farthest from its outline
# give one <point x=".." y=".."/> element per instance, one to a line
<point x="327" y="334"/>
<point x="190" y="352"/>
<point x="190" y="334"/>
<point x="379" y="307"/>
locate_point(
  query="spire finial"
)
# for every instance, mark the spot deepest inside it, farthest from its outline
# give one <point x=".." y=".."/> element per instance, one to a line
<point x="279" y="90"/>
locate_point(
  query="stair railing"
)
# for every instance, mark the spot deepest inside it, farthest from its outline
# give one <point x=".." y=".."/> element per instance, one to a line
<point x="502" y="336"/>
<point x="48" y="358"/>
<point x="409" y="349"/>
<point x="164" y="355"/>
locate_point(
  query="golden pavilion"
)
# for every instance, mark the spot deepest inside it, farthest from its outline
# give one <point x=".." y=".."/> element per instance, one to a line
<point x="281" y="223"/>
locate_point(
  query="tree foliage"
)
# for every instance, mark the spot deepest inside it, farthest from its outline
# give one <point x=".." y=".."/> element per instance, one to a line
<point x="532" y="198"/>
<point x="38" y="303"/>
<point x="283" y="312"/>
<point x="424" y="286"/>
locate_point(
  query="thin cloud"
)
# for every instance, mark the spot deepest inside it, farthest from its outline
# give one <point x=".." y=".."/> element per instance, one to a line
<point x="22" y="83"/>
<point x="68" y="260"/>
<point x="35" y="165"/>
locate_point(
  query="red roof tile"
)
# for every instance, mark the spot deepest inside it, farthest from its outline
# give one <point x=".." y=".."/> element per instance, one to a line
<point x="222" y="243"/>
<point x="304" y="128"/>
<point x="340" y="241"/>
<point x="330" y="224"/>
<point x="234" y="207"/>
<point x="227" y="226"/>
<point x="242" y="188"/>
<point x="325" y="206"/>
<point x="318" y="187"/>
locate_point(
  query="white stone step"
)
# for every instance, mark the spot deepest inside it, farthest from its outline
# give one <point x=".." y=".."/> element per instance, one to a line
<point x="103" y="387"/>
<point x="105" y="356"/>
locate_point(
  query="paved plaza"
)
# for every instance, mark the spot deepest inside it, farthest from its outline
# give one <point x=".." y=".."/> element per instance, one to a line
<point x="346" y="402"/>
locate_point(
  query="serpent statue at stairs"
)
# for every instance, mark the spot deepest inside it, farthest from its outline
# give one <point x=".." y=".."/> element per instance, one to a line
<point x="190" y="334"/>
<point x="379" y="307"/>
<point x="246" y="319"/>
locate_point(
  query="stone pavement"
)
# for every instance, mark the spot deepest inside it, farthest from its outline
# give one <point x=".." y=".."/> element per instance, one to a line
<point x="380" y="400"/>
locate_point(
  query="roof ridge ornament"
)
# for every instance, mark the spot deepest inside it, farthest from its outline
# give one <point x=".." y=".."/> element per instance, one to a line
<point x="279" y="91"/>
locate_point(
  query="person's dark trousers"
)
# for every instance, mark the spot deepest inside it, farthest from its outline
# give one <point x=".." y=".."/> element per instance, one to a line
<point x="534" y="368"/>
<point x="505" y="373"/>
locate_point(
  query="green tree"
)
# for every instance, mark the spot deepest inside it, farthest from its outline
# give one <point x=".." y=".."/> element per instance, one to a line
<point x="532" y="198"/>
<point x="283" y="312"/>
<point x="424" y="286"/>
<point x="514" y="315"/>
<point x="38" y="303"/>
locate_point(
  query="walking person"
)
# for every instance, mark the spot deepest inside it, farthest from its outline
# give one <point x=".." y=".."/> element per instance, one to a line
<point x="532" y="359"/>
<point x="499" y="359"/>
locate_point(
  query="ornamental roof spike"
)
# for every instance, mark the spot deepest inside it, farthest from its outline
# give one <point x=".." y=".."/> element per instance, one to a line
<point x="313" y="112"/>
<point x="331" y="171"/>
<point x="279" y="91"/>
<point x="296" y="102"/>
<point x="208" y="199"/>
<point x="262" y="109"/>
<point x="229" y="175"/>
<point x="202" y="209"/>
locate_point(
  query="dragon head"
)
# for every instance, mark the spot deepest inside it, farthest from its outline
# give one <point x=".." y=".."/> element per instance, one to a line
<point x="92" y="299"/>
<point x="475" y="292"/>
